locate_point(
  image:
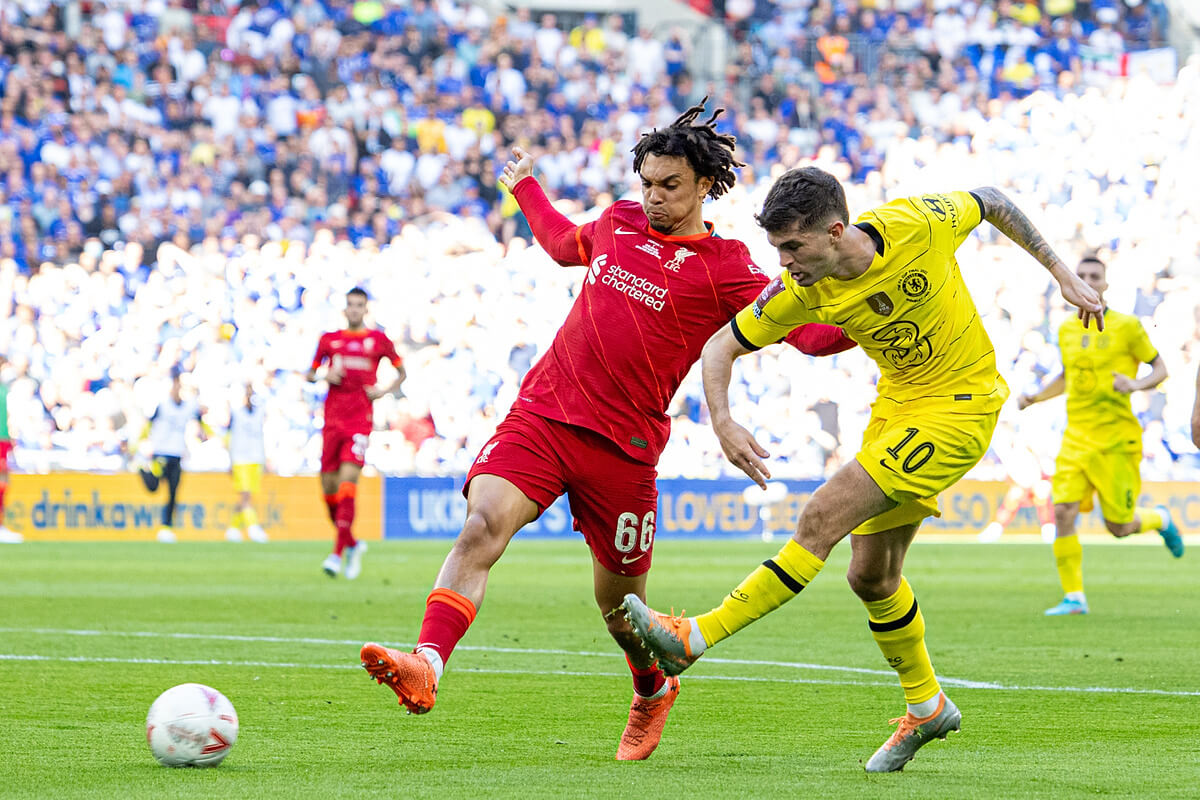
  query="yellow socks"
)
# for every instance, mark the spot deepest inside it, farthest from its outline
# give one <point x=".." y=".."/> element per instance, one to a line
<point x="236" y="521"/>
<point x="1151" y="519"/>
<point x="899" y="630"/>
<point x="778" y="580"/>
<point x="249" y="518"/>
<point x="1068" y="557"/>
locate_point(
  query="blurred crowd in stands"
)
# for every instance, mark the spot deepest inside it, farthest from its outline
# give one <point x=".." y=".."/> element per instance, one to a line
<point x="198" y="182"/>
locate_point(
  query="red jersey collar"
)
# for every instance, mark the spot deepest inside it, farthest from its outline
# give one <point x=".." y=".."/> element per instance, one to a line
<point x="708" y="232"/>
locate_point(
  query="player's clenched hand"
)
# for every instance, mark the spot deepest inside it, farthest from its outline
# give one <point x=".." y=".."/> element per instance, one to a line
<point x="514" y="172"/>
<point x="374" y="393"/>
<point x="1123" y="383"/>
<point x="1023" y="402"/>
<point x="1076" y="292"/>
<point x="336" y="372"/>
<point x="743" y="452"/>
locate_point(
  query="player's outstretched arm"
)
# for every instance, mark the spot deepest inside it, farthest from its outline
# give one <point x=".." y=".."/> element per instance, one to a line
<point x="1012" y="222"/>
<point x="1052" y="389"/>
<point x="717" y="370"/>
<point x="553" y="231"/>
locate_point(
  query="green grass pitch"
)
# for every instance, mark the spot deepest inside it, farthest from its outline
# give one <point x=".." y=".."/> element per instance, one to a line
<point x="535" y="698"/>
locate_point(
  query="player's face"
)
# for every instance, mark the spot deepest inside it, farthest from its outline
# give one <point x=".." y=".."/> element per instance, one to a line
<point x="808" y="256"/>
<point x="672" y="195"/>
<point x="356" y="310"/>
<point x="1093" y="275"/>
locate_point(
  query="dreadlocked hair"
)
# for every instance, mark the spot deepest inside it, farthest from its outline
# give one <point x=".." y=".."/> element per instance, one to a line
<point x="709" y="153"/>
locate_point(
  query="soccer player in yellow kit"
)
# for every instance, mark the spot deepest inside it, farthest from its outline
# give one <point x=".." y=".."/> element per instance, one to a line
<point x="892" y="282"/>
<point x="1102" y="445"/>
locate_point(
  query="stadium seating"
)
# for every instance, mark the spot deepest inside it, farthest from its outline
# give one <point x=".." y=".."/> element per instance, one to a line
<point x="198" y="182"/>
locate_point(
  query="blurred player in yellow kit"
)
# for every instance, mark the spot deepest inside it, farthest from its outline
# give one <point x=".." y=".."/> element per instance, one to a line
<point x="892" y="282"/>
<point x="248" y="455"/>
<point x="1102" y="445"/>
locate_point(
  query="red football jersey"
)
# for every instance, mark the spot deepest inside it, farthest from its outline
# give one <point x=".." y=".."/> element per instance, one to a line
<point x="648" y="304"/>
<point x="347" y="404"/>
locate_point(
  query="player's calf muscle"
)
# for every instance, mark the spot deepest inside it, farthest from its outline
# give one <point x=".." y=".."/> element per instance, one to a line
<point x="482" y="539"/>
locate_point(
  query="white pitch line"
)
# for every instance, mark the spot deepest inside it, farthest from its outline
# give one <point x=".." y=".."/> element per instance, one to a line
<point x="226" y="637"/>
<point x="962" y="683"/>
<point x="204" y="662"/>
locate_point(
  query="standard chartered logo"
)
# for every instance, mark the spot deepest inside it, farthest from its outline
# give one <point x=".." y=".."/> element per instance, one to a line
<point x="635" y="287"/>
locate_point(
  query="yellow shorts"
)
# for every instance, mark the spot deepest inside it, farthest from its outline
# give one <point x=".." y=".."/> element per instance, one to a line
<point x="247" y="478"/>
<point x="915" y="455"/>
<point x="1114" y="475"/>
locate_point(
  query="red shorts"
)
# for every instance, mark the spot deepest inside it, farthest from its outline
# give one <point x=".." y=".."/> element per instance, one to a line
<point x="613" y="498"/>
<point x="5" y="452"/>
<point x="342" y="445"/>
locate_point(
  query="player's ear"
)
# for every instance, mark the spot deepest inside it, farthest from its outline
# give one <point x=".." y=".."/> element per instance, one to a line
<point x="835" y="230"/>
<point x="704" y="183"/>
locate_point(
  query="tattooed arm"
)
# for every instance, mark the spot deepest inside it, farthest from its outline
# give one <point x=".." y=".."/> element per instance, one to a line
<point x="1009" y="220"/>
<point x="1012" y="222"/>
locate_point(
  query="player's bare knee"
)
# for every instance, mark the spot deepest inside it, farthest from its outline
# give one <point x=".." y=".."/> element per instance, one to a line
<point x="871" y="583"/>
<point x="480" y="538"/>
<point x="1121" y="529"/>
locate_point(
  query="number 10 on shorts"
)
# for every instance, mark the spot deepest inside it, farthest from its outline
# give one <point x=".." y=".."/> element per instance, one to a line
<point x="629" y="536"/>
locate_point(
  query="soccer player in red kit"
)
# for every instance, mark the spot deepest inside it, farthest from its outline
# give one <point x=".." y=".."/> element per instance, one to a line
<point x="353" y="354"/>
<point x="590" y="417"/>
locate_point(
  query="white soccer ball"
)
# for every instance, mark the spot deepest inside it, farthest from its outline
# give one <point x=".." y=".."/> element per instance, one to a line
<point x="191" y="725"/>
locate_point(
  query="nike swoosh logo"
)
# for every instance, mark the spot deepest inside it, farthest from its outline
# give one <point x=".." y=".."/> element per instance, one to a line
<point x="622" y="231"/>
<point x="628" y="560"/>
<point x="885" y="465"/>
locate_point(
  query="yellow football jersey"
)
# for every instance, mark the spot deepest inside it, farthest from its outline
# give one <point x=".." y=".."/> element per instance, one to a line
<point x="1098" y="416"/>
<point x="910" y="311"/>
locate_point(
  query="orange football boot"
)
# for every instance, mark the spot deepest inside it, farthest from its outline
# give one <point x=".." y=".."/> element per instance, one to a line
<point x="646" y="720"/>
<point x="409" y="675"/>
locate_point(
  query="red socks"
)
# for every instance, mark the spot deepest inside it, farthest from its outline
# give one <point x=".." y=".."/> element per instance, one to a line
<point x="331" y="501"/>
<point x="447" y="616"/>
<point x="343" y="516"/>
<point x="3" y="489"/>
<point x="646" y="681"/>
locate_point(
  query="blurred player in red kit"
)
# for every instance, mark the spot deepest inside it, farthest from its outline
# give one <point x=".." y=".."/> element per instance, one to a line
<point x="590" y="418"/>
<point x="353" y="355"/>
